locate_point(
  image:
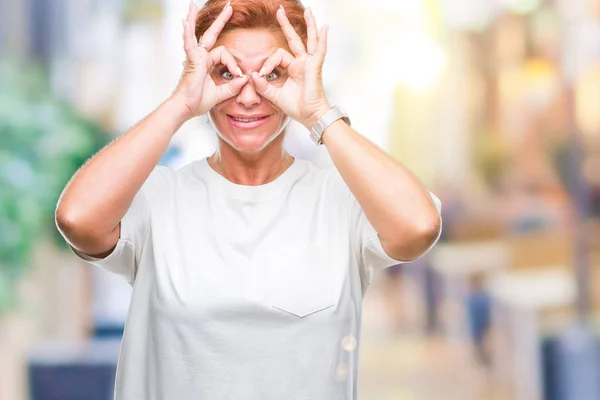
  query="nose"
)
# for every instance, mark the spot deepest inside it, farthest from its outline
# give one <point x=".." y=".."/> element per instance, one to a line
<point x="248" y="96"/>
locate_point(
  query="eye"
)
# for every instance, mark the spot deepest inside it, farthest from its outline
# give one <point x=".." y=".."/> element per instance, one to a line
<point x="272" y="76"/>
<point x="225" y="74"/>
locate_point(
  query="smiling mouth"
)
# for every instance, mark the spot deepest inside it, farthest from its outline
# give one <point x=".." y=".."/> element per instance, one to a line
<point x="239" y="119"/>
<point x="247" y="122"/>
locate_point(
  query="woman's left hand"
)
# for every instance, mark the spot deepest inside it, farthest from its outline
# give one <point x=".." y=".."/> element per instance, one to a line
<point x="301" y="97"/>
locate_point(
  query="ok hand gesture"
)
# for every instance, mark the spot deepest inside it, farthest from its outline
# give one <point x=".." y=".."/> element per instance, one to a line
<point x="196" y="89"/>
<point x="302" y="96"/>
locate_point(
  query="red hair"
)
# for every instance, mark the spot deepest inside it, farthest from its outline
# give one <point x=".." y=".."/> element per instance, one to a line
<point x="249" y="14"/>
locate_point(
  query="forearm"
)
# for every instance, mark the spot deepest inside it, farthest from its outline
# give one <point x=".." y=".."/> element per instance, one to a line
<point x="99" y="194"/>
<point x="393" y="199"/>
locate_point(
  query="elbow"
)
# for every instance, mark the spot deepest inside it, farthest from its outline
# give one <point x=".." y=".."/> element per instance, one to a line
<point x="417" y="243"/>
<point x="426" y="238"/>
<point x="70" y="220"/>
<point x="431" y="231"/>
<point x="65" y="220"/>
<point x="428" y="227"/>
<point x="77" y="225"/>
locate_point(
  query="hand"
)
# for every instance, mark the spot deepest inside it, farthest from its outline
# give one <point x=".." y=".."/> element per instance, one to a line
<point x="196" y="90"/>
<point x="302" y="96"/>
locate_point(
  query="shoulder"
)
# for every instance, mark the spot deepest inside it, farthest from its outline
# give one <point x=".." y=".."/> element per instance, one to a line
<point x="333" y="180"/>
<point x="328" y="180"/>
<point x="164" y="180"/>
<point x="163" y="175"/>
<point x="160" y="177"/>
<point x="315" y="171"/>
<point x="314" y="175"/>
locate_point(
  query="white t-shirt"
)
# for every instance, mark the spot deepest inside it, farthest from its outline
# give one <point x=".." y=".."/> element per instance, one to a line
<point x="243" y="292"/>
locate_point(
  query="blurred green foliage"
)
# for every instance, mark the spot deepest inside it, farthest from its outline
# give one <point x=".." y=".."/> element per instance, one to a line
<point x="43" y="141"/>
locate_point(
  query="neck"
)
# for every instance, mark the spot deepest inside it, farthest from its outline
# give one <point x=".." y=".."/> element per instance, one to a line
<point x="250" y="169"/>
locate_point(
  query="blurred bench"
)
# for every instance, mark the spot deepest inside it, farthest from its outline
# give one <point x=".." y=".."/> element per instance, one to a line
<point x="108" y="330"/>
<point x="521" y="299"/>
<point x="73" y="370"/>
<point x="540" y="249"/>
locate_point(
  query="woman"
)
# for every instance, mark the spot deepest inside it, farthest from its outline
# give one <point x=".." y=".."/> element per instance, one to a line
<point x="248" y="267"/>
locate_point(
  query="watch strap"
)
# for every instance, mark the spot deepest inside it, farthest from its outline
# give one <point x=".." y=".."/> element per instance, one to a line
<point x="336" y="112"/>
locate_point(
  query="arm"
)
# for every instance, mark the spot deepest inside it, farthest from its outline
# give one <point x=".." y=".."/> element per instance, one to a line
<point x="394" y="201"/>
<point x="396" y="204"/>
<point x="100" y="193"/>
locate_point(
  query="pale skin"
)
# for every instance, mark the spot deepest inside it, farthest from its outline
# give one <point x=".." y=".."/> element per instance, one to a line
<point x="243" y="73"/>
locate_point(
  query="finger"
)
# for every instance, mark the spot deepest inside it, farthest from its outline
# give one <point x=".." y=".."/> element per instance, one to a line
<point x="264" y="88"/>
<point x="193" y="13"/>
<point x="280" y="57"/>
<point x="232" y="88"/>
<point x="189" y="39"/>
<point x="290" y="33"/>
<point x="311" y="25"/>
<point x="220" y="55"/>
<point x="209" y="38"/>
<point x="322" y="45"/>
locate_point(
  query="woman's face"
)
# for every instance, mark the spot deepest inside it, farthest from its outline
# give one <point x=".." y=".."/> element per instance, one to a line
<point x="248" y="122"/>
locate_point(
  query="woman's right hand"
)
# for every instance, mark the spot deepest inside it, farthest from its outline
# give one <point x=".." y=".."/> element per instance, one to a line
<point x="197" y="91"/>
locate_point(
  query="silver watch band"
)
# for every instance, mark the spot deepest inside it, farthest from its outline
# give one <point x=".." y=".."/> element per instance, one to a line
<point x="336" y="112"/>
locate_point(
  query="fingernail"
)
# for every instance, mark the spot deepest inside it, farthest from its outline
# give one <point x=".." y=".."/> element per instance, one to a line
<point x="191" y="5"/>
<point x="239" y="70"/>
<point x="309" y="11"/>
<point x="261" y="72"/>
<point x="281" y="7"/>
<point x="227" y="5"/>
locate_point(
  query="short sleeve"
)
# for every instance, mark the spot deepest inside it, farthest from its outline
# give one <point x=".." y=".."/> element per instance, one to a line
<point x="136" y="224"/>
<point x="364" y="239"/>
<point x="372" y="256"/>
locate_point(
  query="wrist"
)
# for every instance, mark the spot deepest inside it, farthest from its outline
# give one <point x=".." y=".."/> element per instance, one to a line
<point x="177" y="108"/>
<point x="315" y="116"/>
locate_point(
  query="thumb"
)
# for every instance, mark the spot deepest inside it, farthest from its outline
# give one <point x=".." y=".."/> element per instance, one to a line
<point x="232" y="88"/>
<point x="264" y="88"/>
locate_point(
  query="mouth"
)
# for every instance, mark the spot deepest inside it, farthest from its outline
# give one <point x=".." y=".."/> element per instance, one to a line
<point x="249" y="121"/>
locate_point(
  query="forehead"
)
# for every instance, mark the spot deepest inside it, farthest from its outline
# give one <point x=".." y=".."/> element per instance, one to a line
<point x="251" y="45"/>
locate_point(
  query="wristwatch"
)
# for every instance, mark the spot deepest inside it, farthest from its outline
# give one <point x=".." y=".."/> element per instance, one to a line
<point x="336" y="112"/>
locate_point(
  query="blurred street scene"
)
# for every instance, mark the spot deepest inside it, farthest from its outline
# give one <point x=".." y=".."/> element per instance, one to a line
<point x="493" y="104"/>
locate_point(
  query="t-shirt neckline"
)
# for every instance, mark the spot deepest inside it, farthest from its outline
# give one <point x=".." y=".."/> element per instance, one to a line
<point x="258" y="191"/>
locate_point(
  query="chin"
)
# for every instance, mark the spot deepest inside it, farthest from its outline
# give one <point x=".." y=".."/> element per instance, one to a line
<point x="247" y="143"/>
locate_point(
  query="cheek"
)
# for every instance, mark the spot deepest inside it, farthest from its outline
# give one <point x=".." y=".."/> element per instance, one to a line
<point x="219" y="110"/>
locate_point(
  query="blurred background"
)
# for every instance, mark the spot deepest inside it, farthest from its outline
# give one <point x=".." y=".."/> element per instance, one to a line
<point x="494" y="104"/>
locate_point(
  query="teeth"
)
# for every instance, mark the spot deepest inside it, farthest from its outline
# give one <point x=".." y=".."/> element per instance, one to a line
<point x="245" y="119"/>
